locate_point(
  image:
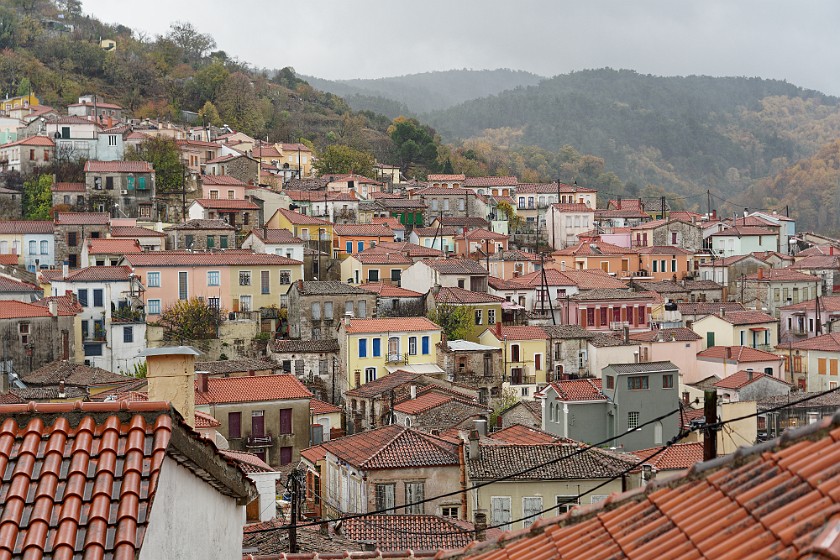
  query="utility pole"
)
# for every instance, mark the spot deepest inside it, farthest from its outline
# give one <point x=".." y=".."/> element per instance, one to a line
<point x="544" y="293"/>
<point x="293" y="480"/>
<point x="710" y="435"/>
<point x="487" y="253"/>
<point x="709" y="202"/>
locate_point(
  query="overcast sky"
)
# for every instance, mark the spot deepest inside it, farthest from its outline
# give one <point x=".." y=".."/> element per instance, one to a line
<point x="792" y="40"/>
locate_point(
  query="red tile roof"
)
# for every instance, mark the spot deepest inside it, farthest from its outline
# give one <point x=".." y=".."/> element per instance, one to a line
<point x="99" y="274"/>
<point x="248" y="462"/>
<point x="202" y="419"/>
<point x="134" y="232"/>
<point x="743" y="378"/>
<point x="386" y="325"/>
<point x="401" y="532"/>
<point x="681" y="334"/>
<point x="269" y="235"/>
<point x="31" y="141"/>
<point x="782" y="275"/>
<point x="456" y="266"/>
<point x="481" y="234"/>
<point x="358" y="179"/>
<point x="68" y="187"/>
<point x="67" y="305"/>
<point x="314" y="454"/>
<point x="663" y="250"/>
<point x="73" y="374"/>
<point x="301" y="219"/>
<point x="775" y="500"/>
<point x="81" y="218"/>
<point x="524" y="435"/>
<point x="491" y="182"/>
<point x="321" y="407"/>
<point x="572" y="207"/>
<point x="21" y="310"/>
<point x="413" y="250"/>
<point x="363" y="230"/>
<point x="747" y="317"/>
<point x="446" y="177"/>
<point x="588" y="389"/>
<point x="118" y="167"/>
<point x="26" y="226"/>
<point x="519" y="332"/>
<point x="111" y="246"/>
<point x="221" y="180"/>
<point x="83" y="477"/>
<point x="11" y="285"/>
<point x="459" y="296"/>
<point x="389" y="222"/>
<point x="226" y="204"/>
<point x="550" y="188"/>
<point x="679" y="456"/>
<point x="389" y="291"/>
<point x="738" y="354"/>
<point x="392" y="447"/>
<point x="583" y="279"/>
<point x="185" y="258"/>
<point x="380" y="256"/>
<point x="256" y="388"/>
<point x="827" y="343"/>
<point x="422" y="403"/>
<point x="586" y="249"/>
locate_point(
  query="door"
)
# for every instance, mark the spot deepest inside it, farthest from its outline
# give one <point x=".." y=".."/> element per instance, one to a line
<point x="257" y="423"/>
<point x="286" y="421"/>
<point x="285" y="455"/>
<point x="710" y="339"/>
<point x="393" y="349"/>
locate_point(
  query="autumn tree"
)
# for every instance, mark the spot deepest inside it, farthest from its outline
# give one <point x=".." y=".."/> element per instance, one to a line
<point x="344" y="159"/>
<point x="194" y="45"/>
<point x="37" y="197"/>
<point x="190" y="319"/>
<point x="239" y="105"/>
<point x="455" y="320"/>
<point x="210" y="115"/>
<point x="164" y="156"/>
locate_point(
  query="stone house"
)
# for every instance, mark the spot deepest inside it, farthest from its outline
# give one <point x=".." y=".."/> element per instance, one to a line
<point x="26" y="154"/>
<point x="238" y="166"/>
<point x="435" y="410"/>
<point x="35" y="335"/>
<point x="392" y="467"/>
<point x="72" y="228"/>
<point x="523" y="413"/>
<point x="201" y="235"/>
<point x="668" y="232"/>
<point x="776" y="287"/>
<point x="566" y="344"/>
<point x="73" y="195"/>
<point x="473" y="365"/>
<point x="749" y="385"/>
<point x="243" y="215"/>
<point x="449" y="202"/>
<point x="316" y="307"/>
<point x="267" y="415"/>
<point x="685" y="290"/>
<point x="309" y="360"/>
<point x="394" y="301"/>
<point x="123" y="188"/>
<point x="485" y="309"/>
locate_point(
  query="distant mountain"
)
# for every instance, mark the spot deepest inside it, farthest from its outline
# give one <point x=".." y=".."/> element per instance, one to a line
<point x="421" y="93"/>
<point x="685" y="134"/>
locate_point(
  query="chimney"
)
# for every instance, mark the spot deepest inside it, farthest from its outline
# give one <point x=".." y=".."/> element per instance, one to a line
<point x="347" y="318"/>
<point x="474" y="439"/>
<point x="636" y="357"/>
<point x="761" y="274"/>
<point x="65" y="269"/>
<point x="749" y="374"/>
<point x="53" y="306"/>
<point x="413" y="391"/>
<point x="498" y="329"/>
<point x="324" y="529"/>
<point x="723" y="312"/>
<point x="625" y="334"/>
<point x="480" y="525"/>
<point x="61" y="389"/>
<point x="562" y="266"/>
<point x="170" y="374"/>
<point x="202" y="377"/>
<point x="480" y="426"/>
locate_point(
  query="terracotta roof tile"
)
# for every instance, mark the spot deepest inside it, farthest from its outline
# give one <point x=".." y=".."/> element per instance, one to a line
<point x="242" y="365"/>
<point x="20" y="310"/>
<point x="491" y="182"/>
<point x="67" y="305"/>
<point x="226" y="204"/>
<point x="199" y="223"/>
<point x="456" y="266"/>
<point x="326" y="345"/>
<point x="31" y="141"/>
<point x="221" y="180"/>
<point x="550" y="188"/>
<point x="469" y="222"/>
<point x="186" y="258"/>
<point x="681" y="334"/>
<point x="383" y="385"/>
<point x="524" y="435"/>
<point x="579" y="390"/>
<point x="519" y="332"/>
<point x="75" y="375"/>
<point x="301" y="219"/>
<point x="422" y="403"/>
<point x="679" y="456"/>
<point x="321" y="407"/>
<point x="392" y="447"/>
<point x="827" y="343"/>
<point x="81" y="218"/>
<point x="395" y="324"/>
<point x="389" y="291"/>
<point x="445" y="177"/>
<point x="746" y="317"/>
<point x="111" y="246"/>
<point x="402" y="532"/>
<point x="782" y="275"/>
<point x="380" y="256"/>
<point x="134" y="232"/>
<point x="248" y="462"/>
<point x="251" y="389"/>
<point x="68" y="187"/>
<point x="99" y="274"/>
<point x="459" y="296"/>
<point x="202" y="419"/>
<point x="11" y="285"/>
<point x="743" y="378"/>
<point x="118" y="167"/>
<point x="276" y="236"/>
<point x="587" y="249"/>
<point x="737" y="354"/>
<point x="413" y="250"/>
<point x="707" y="308"/>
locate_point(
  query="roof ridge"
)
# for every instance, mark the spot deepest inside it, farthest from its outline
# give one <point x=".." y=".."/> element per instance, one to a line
<point x="385" y="445"/>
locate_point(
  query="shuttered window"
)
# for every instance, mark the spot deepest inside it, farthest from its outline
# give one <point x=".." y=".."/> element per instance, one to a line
<point x="285" y="420"/>
<point x="384" y="496"/>
<point x="500" y="512"/>
<point x="265" y="283"/>
<point x="414" y="492"/>
<point x="182" y="285"/>
<point x="531" y="508"/>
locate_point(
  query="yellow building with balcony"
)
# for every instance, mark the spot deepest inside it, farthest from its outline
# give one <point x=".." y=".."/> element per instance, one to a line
<point x="372" y="348"/>
<point x="524" y="351"/>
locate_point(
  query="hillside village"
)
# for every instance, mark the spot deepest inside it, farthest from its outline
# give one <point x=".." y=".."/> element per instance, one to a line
<point x="390" y="365"/>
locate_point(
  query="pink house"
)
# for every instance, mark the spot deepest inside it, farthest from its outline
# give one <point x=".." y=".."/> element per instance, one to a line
<point x="678" y="346"/>
<point x="723" y="361"/>
<point x="215" y="187"/>
<point x="608" y="310"/>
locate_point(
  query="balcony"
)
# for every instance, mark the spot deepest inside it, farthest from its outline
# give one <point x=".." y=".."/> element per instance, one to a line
<point x="618" y="325"/>
<point x="396" y="359"/>
<point x="523" y="379"/>
<point x="258" y="441"/>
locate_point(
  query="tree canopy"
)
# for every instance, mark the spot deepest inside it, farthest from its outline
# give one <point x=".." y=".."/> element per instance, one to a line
<point x="344" y="159"/>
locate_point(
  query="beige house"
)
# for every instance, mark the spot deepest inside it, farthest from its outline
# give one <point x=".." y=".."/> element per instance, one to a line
<point x="755" y="329"/>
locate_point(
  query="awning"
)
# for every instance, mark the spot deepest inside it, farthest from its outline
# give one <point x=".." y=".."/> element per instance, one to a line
<point x="511" y="306"/>
<point x="759" y="329"/>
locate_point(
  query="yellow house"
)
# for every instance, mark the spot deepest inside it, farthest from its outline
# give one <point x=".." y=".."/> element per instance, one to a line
<point x="260" y="284"/>
<point x="752" y="328"/>
<point x="375" y="265"/>
<point x="372" y="348"/>
<point x="308" y="228"/>
<point x="485" y="309"/>
<point x="524" y="350"/>
<point x="10" y="103"/>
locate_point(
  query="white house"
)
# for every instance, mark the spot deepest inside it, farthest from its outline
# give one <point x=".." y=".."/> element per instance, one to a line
<point x="275" y="242"/>
<point x="564" y="222"/>
<point x="113" y="323"/>
<point x="743" y="240"/>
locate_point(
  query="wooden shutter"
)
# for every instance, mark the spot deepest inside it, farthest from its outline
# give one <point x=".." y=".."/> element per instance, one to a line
<point x="234" y="425"/>
<point x="500" y="511"/>
<point x="531" y="507"/>
<point x="285" y="420"/>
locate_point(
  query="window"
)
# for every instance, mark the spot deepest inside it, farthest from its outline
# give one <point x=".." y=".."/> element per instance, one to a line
<point x="566" y="503"/>
<point x="425" y="345"/>
<point x="376" y="347"/>
<point x="213" y="278"/>
<point x="223" y="241"/>
<point x="370" y="374"/>
<point x="285" y="277"/>
<point x="316" y="311"/>
<point x="234" y="425"/>
<point x="285" y="421"/>
<point x="362" y="306"/>
<point x="632" y="420"/>
<point x="244" y="277"/>
<point x="384" y="496"/>
<point x="214" y="303"/>
<point x="265" y="282"/>
<point x="449" y="511"/>
<point x="360" y="246"/>
<point x="211" y="241"/>
<point x="668" y="381"/>
<point x="396" y="275"/>
<point x="610" y="382"/>
<point x="328" y="310"/>
<point x="98" y="294"/>
<point x="230" y="194"/>
<point x="182" y="285"/>
<point x="141" y="184"/>
<point x="83" y="297"/>
<point x="500" y="511"/>
<point x="373" y="275"/>
<point x="153" y="280"/>
<point x="637" y="382"/>
<point x="521" y="202"/>
<point x="33" y="247"/>
<point x="153" y="307"/>
<point x="71" y="239"/>
<point x="491" y="316"/>
<point x="537" y="361"/>
<point x="414" y="492"/>
<point x="514" y="353"/>
<point x="412" y="345"/>
<point x="245" y="303"/>
<point x="479" y="317"/>
<point x="348" y="308"/>
<point x="363" y="348"/>
<point x="128" y="334"/>
<point x="112" y="139"/>
<point x="45" y="247"/>
<point x="531" y="508"/>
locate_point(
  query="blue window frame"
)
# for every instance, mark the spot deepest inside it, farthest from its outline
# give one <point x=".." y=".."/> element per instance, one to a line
<point x="377" y="347"/>
<point x="360" y="246"/>
<point x="425" y="345"/>
<point x="363" y="348"/>
<point x="349" y="247"/>
<point x="83" y="298"/>
<point x="97" y="297"/>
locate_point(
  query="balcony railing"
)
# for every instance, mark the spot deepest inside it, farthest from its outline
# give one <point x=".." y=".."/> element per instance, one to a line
<point x="258" y="441"/>
<point x="523" y="379"/>
<point x="396" y="358"/>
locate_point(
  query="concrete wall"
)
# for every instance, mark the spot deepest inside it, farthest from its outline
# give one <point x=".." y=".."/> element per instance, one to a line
<point x="587" y="422"/>
<point x="191" y="520"/>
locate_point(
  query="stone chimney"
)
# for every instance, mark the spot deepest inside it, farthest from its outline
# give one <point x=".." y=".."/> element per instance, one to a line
<point x="413" y="391"/>
<point x="202" y="378"/>
<point x="625" y="334"/>
<point x="761" y="274"/>
<point x="480" y="426"/>
<point x="170" y="375"/>
<point x="498" y="329"/>
<point x="749" y="374"/>
<point x="53" y="306"/>
<point x="474" y="438"/>
<point x="62" y="389"/>
<point x="480" y="525"/>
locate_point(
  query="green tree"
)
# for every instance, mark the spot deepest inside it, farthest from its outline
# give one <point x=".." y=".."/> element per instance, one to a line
<point x="455" y="320"/>
<point x="8" y="27"/>
<point x="206" y="83"/>
<point x="190" y="319"/>
<point x="164" y="156"/>
<point x="415" y="144"/>
<point x="513" y="219"/>
<point x="37" y="197"/>
<point x="507" y="399"/>
<point x="239" y="105"/>
<point x="339" y="158"/>
<point x="210" y="115"/>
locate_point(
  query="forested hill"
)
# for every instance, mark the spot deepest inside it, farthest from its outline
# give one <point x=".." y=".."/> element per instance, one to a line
<point x="685" y="134"/>
<point x="421" y="93"/>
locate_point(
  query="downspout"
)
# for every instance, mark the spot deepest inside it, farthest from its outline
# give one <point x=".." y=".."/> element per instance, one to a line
<point x="463" y="480"/>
